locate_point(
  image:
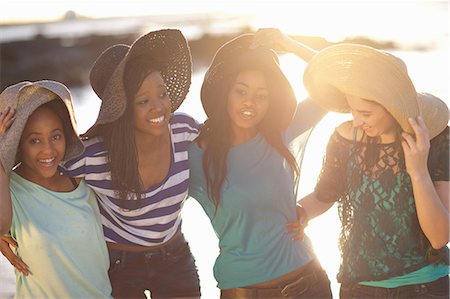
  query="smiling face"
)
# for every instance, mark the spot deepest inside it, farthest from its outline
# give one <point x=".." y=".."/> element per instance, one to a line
<point x="248" y="102"/>
<point x="152" y="106"/>
<point x="42" y="146"/>
<point x="373" y="118"/>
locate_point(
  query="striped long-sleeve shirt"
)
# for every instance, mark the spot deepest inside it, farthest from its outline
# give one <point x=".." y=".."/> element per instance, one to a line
<point x="157" y="216"/>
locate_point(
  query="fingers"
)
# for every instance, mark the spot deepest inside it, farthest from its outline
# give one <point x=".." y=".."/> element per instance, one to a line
<point x="9" y="240"/>
<point x="297" y="229"/>
<point x="6" y="119"/>
<point x="266" y="37"/>
<point x="420" y="129"/>
<point x="11" y="257"/>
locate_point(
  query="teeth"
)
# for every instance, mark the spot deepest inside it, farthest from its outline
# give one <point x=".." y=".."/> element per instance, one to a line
<point x="247" y="113"/>
<point x="47" y="160"/>
<point x="157" y="120"/>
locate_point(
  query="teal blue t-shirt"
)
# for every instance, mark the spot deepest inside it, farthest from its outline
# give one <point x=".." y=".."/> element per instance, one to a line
<point x="257" y="201"/>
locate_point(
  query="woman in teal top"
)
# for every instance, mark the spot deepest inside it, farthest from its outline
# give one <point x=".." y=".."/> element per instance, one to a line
<point x="54" y="219"/>
<point x="244" y="174"/>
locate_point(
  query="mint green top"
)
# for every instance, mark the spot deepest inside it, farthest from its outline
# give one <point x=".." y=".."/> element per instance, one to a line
<point x="60" y="238"/>
<point x="426" y="274"/>
<point x="257" y="201"/>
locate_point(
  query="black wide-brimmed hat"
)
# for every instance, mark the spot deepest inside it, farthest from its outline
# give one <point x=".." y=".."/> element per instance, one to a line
<point x="167" y="48"/>
<point x="236" y="55"/>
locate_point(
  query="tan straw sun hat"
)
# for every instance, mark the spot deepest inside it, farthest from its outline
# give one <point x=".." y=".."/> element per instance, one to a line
<point x="236" y="55"/>
<point x="26" y="97"/>
<point x="167" y="48"/>
<point x="374" y="75"/>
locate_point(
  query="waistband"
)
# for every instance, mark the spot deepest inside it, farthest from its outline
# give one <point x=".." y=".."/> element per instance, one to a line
<point x="295" y="284"/>
<point x="176" y="239"/>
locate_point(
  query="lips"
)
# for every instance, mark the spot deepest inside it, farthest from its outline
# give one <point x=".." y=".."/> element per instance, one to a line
<point x="247" y="113"/>
<point x="49" y="162"/>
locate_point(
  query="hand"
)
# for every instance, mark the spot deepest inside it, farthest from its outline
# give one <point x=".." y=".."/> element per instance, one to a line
<point x="273" y="38"/>
<point x="416" y="149"/>
<point x="5" y="243"/>
<point x="298" y="226"/>
<point x="6" y="119"/>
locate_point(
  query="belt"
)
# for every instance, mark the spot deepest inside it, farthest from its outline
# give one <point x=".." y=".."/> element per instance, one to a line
<point x="295" y="288"/>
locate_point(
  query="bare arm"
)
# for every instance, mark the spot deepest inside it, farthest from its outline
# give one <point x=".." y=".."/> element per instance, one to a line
<point x="5" y="202"/>
<point x="431" y="199"/>
<point x="6" y="119"/>
<point x="277" y="40"/>
<point x="313" y="206"/>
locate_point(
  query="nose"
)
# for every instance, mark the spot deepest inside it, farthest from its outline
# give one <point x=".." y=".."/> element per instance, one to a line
<point x="357" y="122"/>
<point x="249" y="100"/>
<point x="156" y="105"/>
<point x="49" y="147"/>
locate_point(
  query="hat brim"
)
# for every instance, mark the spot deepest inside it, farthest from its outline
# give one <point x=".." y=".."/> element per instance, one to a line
<point x="236" y="56"/>
<point x="26" y="97"/>
<point x="362" y="71"/>
<point x="167" y="47"/>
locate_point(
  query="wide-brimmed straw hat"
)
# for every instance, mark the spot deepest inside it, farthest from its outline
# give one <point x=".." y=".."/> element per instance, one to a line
<point x="371" y="74"/>
<point x="25" y="98"/>
<point x="236" y="55"/>
<point x="167" y="48"/>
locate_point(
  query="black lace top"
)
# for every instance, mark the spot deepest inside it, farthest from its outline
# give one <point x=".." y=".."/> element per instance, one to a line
<point x="380" y="233"/>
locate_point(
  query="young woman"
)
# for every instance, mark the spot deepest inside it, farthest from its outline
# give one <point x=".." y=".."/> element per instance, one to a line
<point x="53" y="219"/>
<point x="136" y="162"/>
<point x="389" y="171"/>
<point x="244" y="174"/>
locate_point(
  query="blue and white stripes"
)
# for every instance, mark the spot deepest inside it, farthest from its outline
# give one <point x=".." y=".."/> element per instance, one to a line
<point x="157" y="216"/>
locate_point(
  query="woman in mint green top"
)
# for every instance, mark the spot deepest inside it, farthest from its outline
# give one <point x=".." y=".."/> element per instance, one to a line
<point x="53" y="219"/>
<point x="244" y="174"/>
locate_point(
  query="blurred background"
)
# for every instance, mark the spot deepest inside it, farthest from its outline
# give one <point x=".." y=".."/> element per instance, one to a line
<point x="60" y="40"/>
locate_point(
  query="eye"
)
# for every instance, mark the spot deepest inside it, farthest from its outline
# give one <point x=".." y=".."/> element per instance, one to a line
<point x="57" y="137"/>
<point x="34" y="141"/>
<point x="262" y="97"/>
<point x="142" y="101"/>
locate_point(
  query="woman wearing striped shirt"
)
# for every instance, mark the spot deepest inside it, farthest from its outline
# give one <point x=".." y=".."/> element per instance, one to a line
<point x="136" y="162"/>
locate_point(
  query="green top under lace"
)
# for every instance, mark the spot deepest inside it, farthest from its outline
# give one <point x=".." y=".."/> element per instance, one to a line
<point x="380" y="233"/>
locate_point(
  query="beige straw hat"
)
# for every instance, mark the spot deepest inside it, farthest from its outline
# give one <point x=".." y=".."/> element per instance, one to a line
<point x="236" y="55"/>
<point x="167" y="48"/>
<point x="374" y="75"/>
<point x="26" y="97"/>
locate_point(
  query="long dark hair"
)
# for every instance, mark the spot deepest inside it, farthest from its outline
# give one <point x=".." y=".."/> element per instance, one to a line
<point x="216" y="135"/>
<point x="119" y="138"/>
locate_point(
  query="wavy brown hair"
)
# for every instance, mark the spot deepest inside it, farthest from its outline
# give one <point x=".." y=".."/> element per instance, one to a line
<point x="216" y="136"/>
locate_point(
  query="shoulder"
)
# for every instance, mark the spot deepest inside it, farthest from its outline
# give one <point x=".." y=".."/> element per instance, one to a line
<point x="93" y="146"/>
<point x="183" y="119"/>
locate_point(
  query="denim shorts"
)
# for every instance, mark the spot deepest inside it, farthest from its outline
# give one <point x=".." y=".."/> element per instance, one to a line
<point x="310" y="282"/>
<point x="434" y="289"/>
<point x="166" y="272"/>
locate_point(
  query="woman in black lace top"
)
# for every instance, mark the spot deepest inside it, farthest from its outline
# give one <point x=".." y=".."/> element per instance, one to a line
<point x="388" y="169"/>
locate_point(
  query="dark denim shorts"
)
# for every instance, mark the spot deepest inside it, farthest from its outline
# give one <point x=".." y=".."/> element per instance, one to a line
<point x="434" y="289"/>
<point x="166" y="272"/>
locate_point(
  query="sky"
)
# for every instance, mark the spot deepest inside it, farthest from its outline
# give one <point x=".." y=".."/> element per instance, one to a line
<point x="405" y="20"/>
